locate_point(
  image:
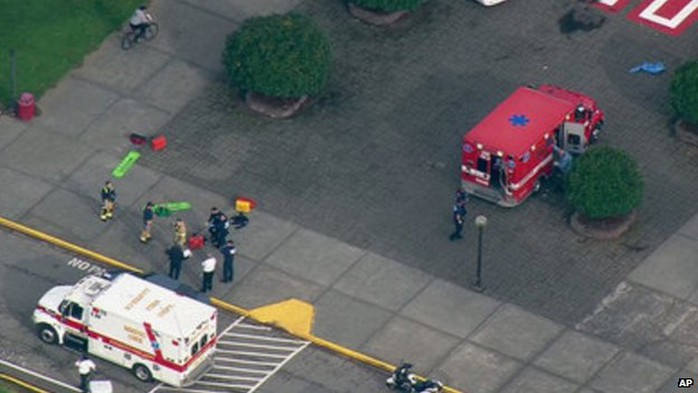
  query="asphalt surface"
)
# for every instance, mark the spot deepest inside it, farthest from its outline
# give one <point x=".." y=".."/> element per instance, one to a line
<point x="355" y="193"/>
<point x="29" y="268"/>
<point x="374" y="160"/>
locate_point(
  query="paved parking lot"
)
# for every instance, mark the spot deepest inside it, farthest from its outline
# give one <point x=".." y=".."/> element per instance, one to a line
<point x="374" y="161"/>
<point x="250" y="357"/>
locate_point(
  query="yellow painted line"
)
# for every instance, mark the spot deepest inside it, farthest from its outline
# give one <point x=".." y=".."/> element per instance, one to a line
<point x="66" y="245"/>
<point x="21" y="383"/>
<point x="280" y="315"/>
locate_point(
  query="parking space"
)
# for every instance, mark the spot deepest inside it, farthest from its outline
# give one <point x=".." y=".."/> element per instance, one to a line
<point x="248" y="355"/>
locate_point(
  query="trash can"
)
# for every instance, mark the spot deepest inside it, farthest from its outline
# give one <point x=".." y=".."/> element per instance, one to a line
<point x="26" y="107"/>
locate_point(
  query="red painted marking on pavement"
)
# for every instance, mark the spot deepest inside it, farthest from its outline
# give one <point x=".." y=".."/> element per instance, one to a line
<point x="612" y="6"/>
<point x="671" y="17"/>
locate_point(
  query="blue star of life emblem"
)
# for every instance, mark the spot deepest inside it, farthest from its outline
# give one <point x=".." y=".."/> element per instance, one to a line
<point x="519" y="120"/>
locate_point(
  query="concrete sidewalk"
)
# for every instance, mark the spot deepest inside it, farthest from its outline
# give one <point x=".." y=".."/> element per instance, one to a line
<point x="640" y="339"/>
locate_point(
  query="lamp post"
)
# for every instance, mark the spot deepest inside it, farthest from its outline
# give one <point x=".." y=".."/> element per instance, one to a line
<point x="480" y="223"/>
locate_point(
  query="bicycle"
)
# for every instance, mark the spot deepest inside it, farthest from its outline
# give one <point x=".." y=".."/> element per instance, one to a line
<point x="128" y="40"/>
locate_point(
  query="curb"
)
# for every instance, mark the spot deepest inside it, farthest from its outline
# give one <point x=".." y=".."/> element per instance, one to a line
<point x="21" y="383"/>
<point x="346" y="352"/>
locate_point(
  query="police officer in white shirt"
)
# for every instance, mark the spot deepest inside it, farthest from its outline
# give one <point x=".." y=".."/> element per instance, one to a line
<point x="85" y="368"/>
<point x="209" y="267"/>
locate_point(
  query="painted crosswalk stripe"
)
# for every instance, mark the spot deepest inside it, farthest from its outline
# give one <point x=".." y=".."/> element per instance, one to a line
<point x="247" y="355"/>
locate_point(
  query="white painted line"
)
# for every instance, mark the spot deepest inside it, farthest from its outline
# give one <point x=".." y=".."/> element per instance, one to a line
<point x="260" y="354"/>
<point x="257" y="362"/>
<point x="241" y="369"/>
<point x="232" y="325"/>
<point x="232" y="378"/>
<point x="249" y="345"/>
<point x="223" y="385"/>
<point x="275" y="339"/>
<point x="256" y="327"/>
<point x="153" y="390"/>
<point x="40" y="376"/>
<point x="278" y="367"/>
<point x="174" y="389"/>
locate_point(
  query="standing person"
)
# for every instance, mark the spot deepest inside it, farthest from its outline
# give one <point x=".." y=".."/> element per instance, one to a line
<point x="212" y="227"/>
<point x="108" y="194"/>
<point x="208" y="266"/>
<point x="85" y="368"/>
<point x="228" y="252"/>
<point x="148" y="215"/>
<point x="461" y="196"/>
<point x="459" y="213"/>
<point x="180" y="233"/>
<point x="221" y="224"/>
<point x="176" y="255"/>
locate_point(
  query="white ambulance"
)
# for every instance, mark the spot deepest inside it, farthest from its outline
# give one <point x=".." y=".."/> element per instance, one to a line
<point x="153" y="331"/>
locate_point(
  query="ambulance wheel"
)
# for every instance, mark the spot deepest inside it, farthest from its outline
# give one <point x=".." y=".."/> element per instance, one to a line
<point x="142" y="373"/>
<point x="537" y="186"/>
<point x="47" y="334"/>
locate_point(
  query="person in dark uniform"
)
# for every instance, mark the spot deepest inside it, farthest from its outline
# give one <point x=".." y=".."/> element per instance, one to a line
<point x="459" y="213"/>
<point x="108" y="194"/>
<point x="221" y="224"/>
<point x="461" y="196"/>
<point x="212" y="219"/>
<point x="148" y="215"/>
<point x="228" y="252"/>
<point x="176" y="255"/>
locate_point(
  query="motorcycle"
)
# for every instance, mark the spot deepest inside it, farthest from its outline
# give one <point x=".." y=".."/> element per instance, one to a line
<point x="403" y="380"/>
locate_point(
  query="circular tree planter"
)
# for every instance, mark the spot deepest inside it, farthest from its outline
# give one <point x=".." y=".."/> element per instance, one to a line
<point x="274" y="107"/>
<point x="375" y="17"/>
<point x="278" y="61"/>
<point x="605" y="188"/>
<point x="382" y="12"/>
<point x="602" y="229"/>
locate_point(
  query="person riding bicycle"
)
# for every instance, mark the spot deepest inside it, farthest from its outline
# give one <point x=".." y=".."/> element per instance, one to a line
<point x="139" y="21"/>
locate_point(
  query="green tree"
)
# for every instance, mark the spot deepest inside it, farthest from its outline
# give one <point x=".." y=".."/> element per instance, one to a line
<point x="684" y="92"/>
<point x="605" y="183"/>
<point x="389" y="5"/>
<point x="285" y="56"/>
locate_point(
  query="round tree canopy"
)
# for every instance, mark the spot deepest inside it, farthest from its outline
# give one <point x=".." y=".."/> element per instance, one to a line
<point x="285" y="56"/>
<point x="605" y="183"/>
<point x="684" y="92"/>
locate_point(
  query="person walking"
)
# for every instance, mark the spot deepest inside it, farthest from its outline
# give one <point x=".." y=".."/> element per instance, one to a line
<point x="208" y="266"/>
<point x="459" y="213"/>
<point x="180" y="233"/>
<point x="108" y="194"/>
<point x="461" y="196"/>
<point x="176" y="254"/>
<point x="228" y="252"/>
<point x="85" y="368"/>
<point x="148" y="215"/>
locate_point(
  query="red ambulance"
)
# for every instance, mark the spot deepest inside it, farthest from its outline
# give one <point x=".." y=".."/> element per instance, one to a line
<point x="506" y="155"/>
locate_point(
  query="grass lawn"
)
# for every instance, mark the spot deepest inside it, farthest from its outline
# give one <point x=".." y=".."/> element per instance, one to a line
<point x="51" y="37"/>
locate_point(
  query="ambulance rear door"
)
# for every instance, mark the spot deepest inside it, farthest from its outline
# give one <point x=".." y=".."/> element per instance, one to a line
<point x="574" y="139"/>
